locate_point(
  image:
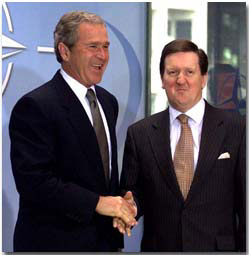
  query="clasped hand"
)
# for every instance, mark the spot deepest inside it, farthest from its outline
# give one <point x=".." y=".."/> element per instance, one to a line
<point x="122" y="209"/>
<point x="119" y="223"/>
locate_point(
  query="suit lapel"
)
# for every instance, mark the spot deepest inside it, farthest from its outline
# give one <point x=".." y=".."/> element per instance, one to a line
<point x="212" y="136"/>
<point x="211" y="143"/>
<point x="107" y="108"/>
<point x="160" y="141"/>
<point x="80" y="123"/>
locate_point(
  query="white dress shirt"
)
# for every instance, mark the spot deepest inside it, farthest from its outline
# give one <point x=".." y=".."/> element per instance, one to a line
<point x="80" y="91"/>
<point x="195" y="122"/>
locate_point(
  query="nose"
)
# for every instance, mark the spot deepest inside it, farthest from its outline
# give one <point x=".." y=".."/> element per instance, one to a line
<point x="101" y="53"/>
<point x="180" y="79"/>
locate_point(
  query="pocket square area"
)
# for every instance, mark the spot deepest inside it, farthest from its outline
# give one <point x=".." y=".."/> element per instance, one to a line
<point x="224" y="155"/>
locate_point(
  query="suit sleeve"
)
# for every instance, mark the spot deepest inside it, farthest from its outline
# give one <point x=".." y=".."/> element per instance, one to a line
<point x="35" y="169"/>
<point x="130" y="176"/>
<point x="240" y="193"/>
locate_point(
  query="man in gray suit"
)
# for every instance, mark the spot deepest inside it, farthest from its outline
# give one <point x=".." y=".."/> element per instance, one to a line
<point x="188" y="179"/>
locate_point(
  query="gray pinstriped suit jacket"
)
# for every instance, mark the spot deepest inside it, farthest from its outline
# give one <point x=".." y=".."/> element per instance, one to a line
<point x="206" y="221"/>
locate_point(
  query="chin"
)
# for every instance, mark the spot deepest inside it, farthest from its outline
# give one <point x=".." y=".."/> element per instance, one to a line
<point x="180" y="106"/>
<point x="97" y="82"/>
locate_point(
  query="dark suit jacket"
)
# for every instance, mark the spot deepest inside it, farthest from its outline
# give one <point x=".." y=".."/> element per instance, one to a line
<point x="206" y="221"/>
<point x="58" y="171"/>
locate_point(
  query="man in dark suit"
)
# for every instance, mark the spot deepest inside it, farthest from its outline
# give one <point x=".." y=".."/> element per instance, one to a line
<point x="195" y="201"/>
<point x="68" y="184"/>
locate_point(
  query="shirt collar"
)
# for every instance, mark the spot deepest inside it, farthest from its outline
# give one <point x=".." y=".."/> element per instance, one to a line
<point x="196" y="113"/>
<point x="77" y="87"/>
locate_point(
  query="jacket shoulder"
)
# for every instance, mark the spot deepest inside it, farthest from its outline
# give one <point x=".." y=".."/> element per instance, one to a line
<point x="45" y="92"/>
<point x="148" y="121"/>
<point x="105" y="93"/>
<point x="42" y="99"/>
<point x="231" y="118"/>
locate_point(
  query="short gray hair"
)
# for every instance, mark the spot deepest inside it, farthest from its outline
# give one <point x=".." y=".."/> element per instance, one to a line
<point x="66" y="29"/>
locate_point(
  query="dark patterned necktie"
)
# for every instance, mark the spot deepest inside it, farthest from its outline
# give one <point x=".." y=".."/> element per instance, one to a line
<point x="99" y="128"/>
<point x="184" y="157"/>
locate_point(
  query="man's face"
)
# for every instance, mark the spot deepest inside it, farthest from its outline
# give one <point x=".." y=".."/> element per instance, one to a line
<point x="88" y="58"/>
<point x="182" y="80"/>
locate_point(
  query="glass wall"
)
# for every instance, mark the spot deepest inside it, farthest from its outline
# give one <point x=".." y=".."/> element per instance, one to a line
<point x="227" y="52"/>
<point x="220" y="30"/>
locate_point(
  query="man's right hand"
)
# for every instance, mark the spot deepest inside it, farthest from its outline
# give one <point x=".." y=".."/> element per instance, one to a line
<point x="119" y="223"/>
<point x="117" y="207"/>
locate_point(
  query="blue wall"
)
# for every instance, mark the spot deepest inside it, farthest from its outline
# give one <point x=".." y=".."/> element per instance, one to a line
<point x="33" y="25"/>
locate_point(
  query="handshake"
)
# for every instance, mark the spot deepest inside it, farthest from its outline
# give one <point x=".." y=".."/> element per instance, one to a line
<point x="122" y="209"/>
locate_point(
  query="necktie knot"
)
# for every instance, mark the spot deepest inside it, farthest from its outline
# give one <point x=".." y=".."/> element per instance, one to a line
<point x="90" y="95"/>
<point x="183" y="118"/>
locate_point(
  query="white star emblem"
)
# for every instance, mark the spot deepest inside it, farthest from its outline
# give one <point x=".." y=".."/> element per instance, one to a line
<point x="10" y="43"/>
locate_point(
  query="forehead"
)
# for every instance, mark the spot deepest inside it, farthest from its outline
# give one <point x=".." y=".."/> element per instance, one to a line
<point x="96" y="32"/>
<point x="182" y="59"/>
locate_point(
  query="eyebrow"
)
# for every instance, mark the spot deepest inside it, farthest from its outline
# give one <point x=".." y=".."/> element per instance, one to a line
<point x="176" y="67"/>
<point x="97" y="42"/>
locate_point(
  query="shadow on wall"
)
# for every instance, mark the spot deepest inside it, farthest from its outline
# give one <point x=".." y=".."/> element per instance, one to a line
<point x="8" y="224"/>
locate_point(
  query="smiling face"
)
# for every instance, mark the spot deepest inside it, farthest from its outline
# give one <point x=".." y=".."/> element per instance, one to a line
<point x="182" y="80"/>
<point x="86" y="61"/>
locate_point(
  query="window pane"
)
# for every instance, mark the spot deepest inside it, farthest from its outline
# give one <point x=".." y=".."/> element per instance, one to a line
<point x="227" y="51"/>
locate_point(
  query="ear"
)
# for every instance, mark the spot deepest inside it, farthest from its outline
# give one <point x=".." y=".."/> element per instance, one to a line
<point x="162" y="82"/>
<point x="204" y="82"/>
<point x="163" y="85"/>
<point x="64" y="51"/>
